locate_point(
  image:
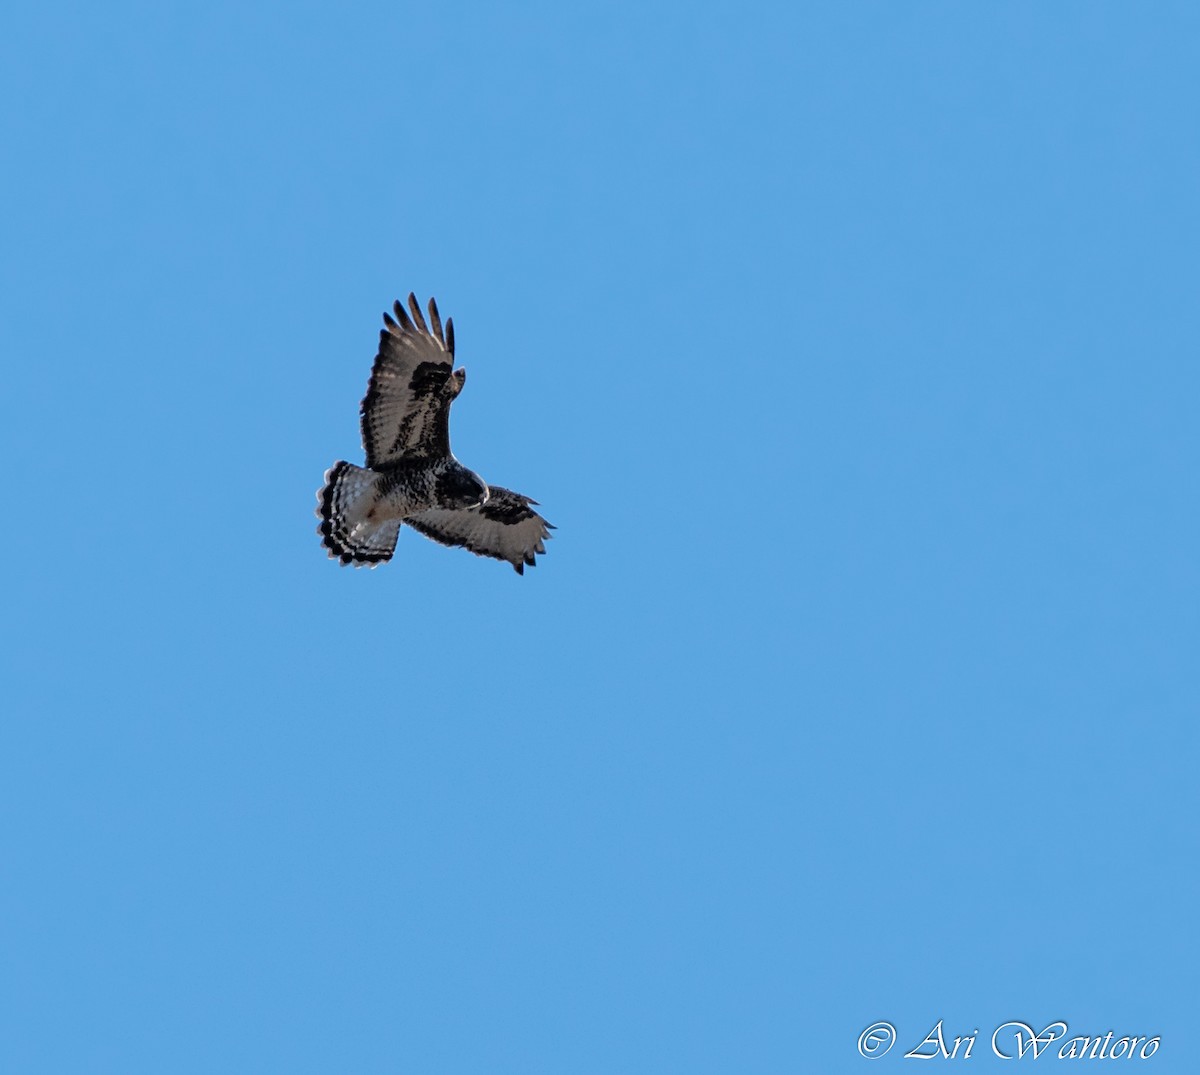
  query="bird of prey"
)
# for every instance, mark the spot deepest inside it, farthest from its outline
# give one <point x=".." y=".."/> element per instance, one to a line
<point x="411" y="475"/>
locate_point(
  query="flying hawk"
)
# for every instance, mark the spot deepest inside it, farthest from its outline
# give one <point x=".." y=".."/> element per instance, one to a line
<point x="411" y="475"/>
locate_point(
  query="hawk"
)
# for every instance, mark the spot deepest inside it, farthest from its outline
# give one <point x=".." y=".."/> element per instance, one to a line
<point x="411" y="475"/>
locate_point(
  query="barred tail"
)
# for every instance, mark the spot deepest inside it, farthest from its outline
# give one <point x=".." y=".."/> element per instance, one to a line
<point x="346" y="507"/>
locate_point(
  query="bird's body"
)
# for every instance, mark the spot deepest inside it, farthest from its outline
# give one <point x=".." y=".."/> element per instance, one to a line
<point x="411" y="475"/>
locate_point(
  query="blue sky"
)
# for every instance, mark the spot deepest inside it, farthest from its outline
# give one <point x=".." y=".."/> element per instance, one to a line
<point x="853" y="350"/>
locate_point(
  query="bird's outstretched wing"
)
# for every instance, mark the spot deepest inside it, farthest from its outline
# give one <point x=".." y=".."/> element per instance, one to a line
<point x="506" y="527"/>
<point x="406" y="411"/>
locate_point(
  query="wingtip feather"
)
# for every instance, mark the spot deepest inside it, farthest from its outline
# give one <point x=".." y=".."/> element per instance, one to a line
<point x="435" y="322"/>
<point x="417" y="316"/>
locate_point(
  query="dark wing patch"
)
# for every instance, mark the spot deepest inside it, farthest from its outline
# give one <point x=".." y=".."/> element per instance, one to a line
<point x="406" y="410"/>
<point x="506" y="528"/>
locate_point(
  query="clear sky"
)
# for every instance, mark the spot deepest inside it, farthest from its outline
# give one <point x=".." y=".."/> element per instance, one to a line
<point x="853" y="349"/>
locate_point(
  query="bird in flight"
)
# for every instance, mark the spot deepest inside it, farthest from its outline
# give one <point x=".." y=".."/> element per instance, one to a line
<point x="411" y="475"/>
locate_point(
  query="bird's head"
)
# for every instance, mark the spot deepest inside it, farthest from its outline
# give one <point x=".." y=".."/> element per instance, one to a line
<point x="462" y="488"/>
<point x="482" y="489"/>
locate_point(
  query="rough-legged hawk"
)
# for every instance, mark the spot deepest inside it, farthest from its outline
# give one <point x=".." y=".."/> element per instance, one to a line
<point x="411" y="475"/>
